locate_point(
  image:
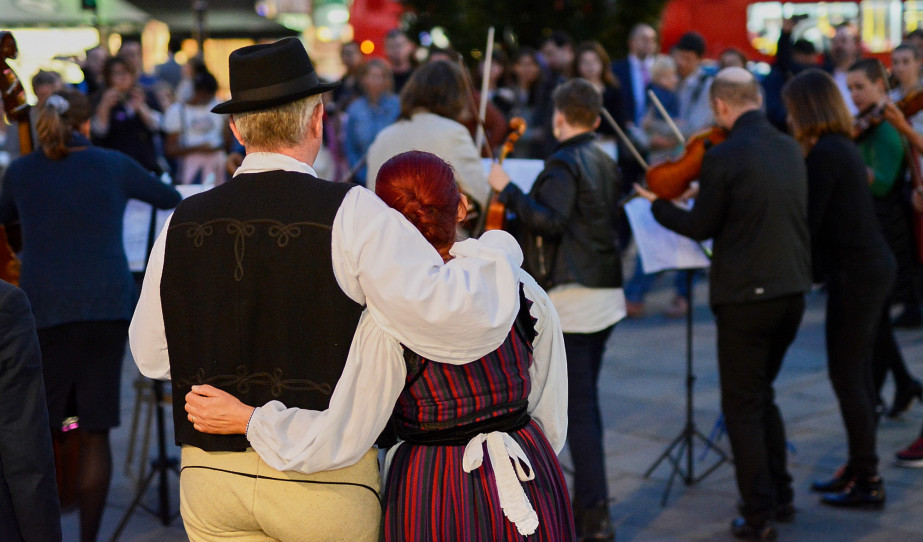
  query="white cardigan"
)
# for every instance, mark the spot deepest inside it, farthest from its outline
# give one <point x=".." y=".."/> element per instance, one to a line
<point x="443" y="137"/>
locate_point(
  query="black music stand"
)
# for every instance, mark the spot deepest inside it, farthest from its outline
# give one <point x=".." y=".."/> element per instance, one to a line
<point x="160" y="467"/>
<point x="162" y="464"/>
<point x="663" y="248"/>
<point x="685" y="441"/>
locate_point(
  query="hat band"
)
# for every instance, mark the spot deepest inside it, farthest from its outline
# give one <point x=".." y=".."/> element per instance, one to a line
<point x="284" y="88"/>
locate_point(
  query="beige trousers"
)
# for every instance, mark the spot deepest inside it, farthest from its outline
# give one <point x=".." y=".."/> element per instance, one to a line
<point x="297" y="507"/>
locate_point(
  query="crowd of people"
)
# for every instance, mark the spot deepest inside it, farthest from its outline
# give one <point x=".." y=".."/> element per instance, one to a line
<point x="297" y="338"/>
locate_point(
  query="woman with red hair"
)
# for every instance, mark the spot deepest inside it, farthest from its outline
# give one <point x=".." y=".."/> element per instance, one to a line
<point x="447" y="416"/>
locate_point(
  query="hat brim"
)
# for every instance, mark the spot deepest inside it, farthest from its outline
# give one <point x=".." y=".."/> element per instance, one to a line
<point x="246" y="106"/>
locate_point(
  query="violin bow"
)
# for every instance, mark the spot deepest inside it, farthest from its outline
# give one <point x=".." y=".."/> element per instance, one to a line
<point x="474" y="105"/>
<point x="618" y="130"/>
<point x="666" y="116"/>
<point x="485" y="83"/>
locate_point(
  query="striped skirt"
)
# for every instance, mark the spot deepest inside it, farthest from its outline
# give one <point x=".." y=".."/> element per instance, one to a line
<point x="429" y="497"/>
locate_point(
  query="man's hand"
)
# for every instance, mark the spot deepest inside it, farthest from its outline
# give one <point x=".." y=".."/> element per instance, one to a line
<point x="217" y="412"/>
<point x="498" y="178"/>
<point x="645" y="193"/>
<point x="897" y="119"/>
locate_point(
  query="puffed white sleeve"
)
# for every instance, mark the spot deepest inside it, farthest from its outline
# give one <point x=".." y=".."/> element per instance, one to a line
<point x="548" y="398"/>
<point x="147" y="336"/>
<point x="311" y="441"/>
<point x="454" y="312"/>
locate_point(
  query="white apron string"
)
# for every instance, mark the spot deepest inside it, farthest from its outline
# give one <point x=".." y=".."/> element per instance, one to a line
<point x="513" y="500"/>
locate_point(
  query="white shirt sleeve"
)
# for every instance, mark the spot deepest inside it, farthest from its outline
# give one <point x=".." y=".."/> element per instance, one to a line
<point x="147" y="337"/>
<point x="311" y="441"/>
<point x="452" y="313"/>
<point x="548" y="373"/>
<point x="173" y="119"/>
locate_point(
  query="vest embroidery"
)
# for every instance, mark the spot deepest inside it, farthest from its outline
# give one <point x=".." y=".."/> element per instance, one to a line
<point x="242" y="229"/>
<point x="243" y="378"/>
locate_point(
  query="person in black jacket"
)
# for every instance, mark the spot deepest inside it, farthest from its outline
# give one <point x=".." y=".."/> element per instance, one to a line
<point x="570" y="237"/>
<point x="854" y="261"/>
<point x="753" y="203"/>
<point x="29" y="508"/>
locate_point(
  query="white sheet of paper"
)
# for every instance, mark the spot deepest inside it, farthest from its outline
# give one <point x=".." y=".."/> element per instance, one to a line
<point x="137" y="223"/>
<point x="522" y="171"/>
<point x="660" y="248"/>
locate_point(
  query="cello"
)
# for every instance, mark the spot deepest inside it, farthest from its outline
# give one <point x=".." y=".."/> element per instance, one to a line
<point x="16" y="111"/>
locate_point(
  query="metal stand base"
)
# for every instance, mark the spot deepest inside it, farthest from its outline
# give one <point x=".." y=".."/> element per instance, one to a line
<point x="684" y="443"/>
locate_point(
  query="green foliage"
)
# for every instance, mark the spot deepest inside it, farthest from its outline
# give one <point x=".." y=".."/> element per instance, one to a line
<point x="525" y="22"/>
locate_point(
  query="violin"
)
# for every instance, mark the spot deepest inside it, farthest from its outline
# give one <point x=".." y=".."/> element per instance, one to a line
<point x="670" y="179"/>
<point x="17" y="110"/>
<point x="496" y="211"/>
<point x="872" y="116"/>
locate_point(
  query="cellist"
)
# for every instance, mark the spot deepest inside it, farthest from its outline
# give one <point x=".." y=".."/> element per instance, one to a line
<point x="570" y="239"/>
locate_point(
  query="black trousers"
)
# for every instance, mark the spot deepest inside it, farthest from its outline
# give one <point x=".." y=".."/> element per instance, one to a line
<point x="584" y="422"/>
<point x="752" y="341"/>
<point x="857" y="323"/>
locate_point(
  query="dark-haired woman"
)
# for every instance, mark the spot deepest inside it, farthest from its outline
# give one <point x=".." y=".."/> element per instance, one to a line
<point x="70" y="199"/>
<point x="477" y="459"/>
<point x="126" y="117"/>
<point x="592" y="63"/>
<point x="852" y="258"/>
<point x="432" y="102"/>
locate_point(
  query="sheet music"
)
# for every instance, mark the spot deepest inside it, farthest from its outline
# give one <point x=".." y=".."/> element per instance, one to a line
<point x="137" y="222"/>
<point x="522" y="171"/>
<point x="662" y="249"/>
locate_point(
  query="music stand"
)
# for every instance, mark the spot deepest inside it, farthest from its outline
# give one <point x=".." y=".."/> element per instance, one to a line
<point x="163" y="463"/>
<point x="160" y="466"/>
<point x="662" y="250"/>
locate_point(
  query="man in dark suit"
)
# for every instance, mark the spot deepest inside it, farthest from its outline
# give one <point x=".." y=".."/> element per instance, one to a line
<point x="753" y="203"/>
<point x="633" y="71"/>
<point x="29" y="507"/>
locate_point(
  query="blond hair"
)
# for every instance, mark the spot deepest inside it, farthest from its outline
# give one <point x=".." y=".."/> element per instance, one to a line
<point x="279" y="127"/>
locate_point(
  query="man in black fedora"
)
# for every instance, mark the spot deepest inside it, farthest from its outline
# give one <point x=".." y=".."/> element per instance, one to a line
<point x="255" y="289"/>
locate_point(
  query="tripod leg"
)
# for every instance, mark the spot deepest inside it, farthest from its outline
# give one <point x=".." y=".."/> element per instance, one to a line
<point x="677" y="469"/>
<point x="665" y="455"/>
<point x="134" y="504"/>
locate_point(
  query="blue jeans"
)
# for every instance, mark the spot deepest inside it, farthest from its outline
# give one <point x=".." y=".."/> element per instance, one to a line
<point x="584" y="423"/>
<point x="641" y="283"/>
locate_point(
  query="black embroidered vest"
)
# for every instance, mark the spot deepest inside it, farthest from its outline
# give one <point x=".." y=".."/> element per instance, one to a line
<point x="250" y="301"/>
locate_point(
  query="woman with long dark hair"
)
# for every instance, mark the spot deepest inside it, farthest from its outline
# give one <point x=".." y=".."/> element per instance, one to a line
<point x="69" y="198"/>
<point x="852" y="258"/>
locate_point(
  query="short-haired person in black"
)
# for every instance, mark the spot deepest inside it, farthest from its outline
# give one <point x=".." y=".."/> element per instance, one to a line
<point x="753" y="203"/>
<point x="570" y="238"/>
<point x="854" y="262"/>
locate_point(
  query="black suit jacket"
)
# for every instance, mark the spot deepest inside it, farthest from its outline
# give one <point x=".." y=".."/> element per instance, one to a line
<point x="29" y="508"/>
<point x="622" y="70"/>
<point x="753" y="202"/>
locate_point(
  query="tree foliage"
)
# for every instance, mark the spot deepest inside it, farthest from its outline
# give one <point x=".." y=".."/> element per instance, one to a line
<point x="525" y="22"/>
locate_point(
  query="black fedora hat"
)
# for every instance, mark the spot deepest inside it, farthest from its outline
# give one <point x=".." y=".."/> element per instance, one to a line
<point x="269" y="75"/>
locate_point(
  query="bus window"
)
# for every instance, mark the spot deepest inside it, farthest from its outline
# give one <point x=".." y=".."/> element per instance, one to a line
<point x="764" y="21"/>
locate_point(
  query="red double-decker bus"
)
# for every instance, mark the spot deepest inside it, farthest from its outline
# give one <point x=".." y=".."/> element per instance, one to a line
<point x="753" y="27"/>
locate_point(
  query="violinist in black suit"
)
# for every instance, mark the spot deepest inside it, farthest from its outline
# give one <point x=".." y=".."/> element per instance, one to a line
<point x="753" y="203"/>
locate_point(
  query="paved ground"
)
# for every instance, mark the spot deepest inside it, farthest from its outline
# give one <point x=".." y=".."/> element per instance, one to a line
<point x="643" y="401"/>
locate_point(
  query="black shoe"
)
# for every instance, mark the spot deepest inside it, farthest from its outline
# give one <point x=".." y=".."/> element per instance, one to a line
<point x="861" y="493"/>
<point x="594" y="524"/>
<point x="785" y="512"/>
<point x="840" y="481"/>
<point x="741" y="528"/>
<point x="909" y="318"/>
<point x="904" y="396"/>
